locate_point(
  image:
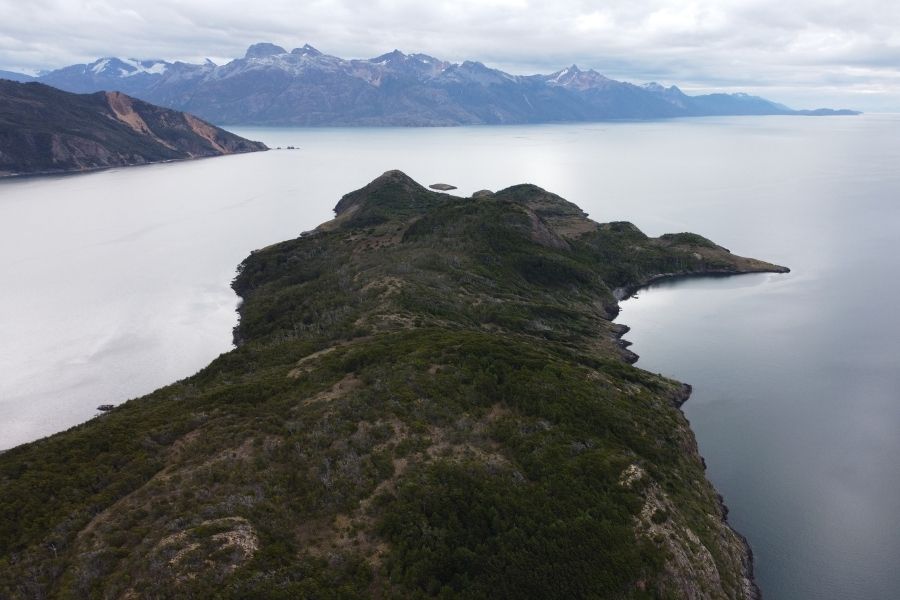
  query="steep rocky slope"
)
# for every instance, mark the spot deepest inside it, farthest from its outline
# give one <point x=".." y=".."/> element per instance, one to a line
<point x="428" y="399"/>
<point x="45" y="130"/>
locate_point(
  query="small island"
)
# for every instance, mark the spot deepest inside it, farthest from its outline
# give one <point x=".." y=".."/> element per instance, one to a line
<point x="442" y="187"/>
<point x="428" y="398"/>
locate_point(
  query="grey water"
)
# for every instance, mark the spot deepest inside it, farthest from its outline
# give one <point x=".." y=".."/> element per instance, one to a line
<point x="117" y="282"/>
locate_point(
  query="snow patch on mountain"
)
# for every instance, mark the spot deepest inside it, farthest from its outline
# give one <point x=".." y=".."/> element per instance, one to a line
<point x="99" y="66"/>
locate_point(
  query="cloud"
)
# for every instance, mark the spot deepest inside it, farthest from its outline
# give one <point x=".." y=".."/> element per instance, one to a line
<point x="809" y="53"/>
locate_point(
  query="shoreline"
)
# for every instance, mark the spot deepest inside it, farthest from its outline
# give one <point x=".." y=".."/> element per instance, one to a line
<point x="85" y="171"/>
<point x="625" y="292"/>
<point x="683" y="395"/>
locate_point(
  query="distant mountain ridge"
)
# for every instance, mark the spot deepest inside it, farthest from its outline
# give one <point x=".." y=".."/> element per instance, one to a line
<point x="13" y="76"/>
<point x="46" y="130"/>
<point x="273" y="86"/>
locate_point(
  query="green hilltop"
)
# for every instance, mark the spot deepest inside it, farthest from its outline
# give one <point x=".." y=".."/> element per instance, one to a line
<point x="428" y="399"/>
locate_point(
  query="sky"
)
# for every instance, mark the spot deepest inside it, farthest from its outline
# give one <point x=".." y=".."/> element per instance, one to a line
<point x="805" y="53"/>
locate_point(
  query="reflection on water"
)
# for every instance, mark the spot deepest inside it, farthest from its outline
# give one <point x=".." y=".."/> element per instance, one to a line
<point x="797" y="417"/>
<point x="116" y="282"/>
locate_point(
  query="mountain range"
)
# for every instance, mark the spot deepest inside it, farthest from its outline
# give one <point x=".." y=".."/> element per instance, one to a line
<point x="46" y="130"/>
<point x="273" y="86"/>
<point x="13" y="76"/>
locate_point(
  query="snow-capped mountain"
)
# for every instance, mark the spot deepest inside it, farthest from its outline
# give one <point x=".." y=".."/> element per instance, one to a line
<point x="573" y="78"/>
<point x="273" y="86"/>
<point x="118" y="74"/>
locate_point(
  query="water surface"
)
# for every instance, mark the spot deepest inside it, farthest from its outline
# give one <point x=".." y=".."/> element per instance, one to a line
<point x="116" y="282"/>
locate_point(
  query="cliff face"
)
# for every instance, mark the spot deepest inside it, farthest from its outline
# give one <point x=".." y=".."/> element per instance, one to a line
<point x="44" y="130"/>
<point x="428" y="399"/>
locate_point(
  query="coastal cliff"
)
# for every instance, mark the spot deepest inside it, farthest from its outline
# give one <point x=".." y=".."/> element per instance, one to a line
<point x="45" y="130"/>
<point x="428" y="399"/>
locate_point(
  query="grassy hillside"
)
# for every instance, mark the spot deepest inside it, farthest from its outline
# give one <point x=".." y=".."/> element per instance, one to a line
<point x="428" y="400"/>
<point x="45" y="130"/>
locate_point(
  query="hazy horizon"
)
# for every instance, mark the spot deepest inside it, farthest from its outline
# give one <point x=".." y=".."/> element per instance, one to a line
<point x="806" y="54"/>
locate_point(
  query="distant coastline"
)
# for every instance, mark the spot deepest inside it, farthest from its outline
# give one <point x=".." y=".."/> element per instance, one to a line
<point x="50" y="131"/>
<point x="4" y="176"/>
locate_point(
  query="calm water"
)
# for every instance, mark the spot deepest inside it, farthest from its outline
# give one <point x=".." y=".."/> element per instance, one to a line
<point x="116" y="282"/>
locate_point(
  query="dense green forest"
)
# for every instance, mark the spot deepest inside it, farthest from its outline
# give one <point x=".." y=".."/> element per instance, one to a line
<point x="428" y="399"/>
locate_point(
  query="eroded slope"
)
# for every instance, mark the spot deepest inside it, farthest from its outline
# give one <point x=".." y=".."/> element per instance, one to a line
<point x="45" y="130"/>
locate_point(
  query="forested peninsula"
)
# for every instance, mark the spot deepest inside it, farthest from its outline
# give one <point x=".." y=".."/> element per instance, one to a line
<point x="428" y="398"/>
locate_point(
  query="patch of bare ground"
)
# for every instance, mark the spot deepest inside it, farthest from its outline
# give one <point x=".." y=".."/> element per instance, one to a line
<point x="304" y="365"/>
<point x="307" y="363"/>
<point x="378" y="240"/>
<point x="141" y="498"/>
<point x="623" y="387"/>
<point x="347" y="384"/>
<point x="389" y="321"/>
<point x="174" y="454"/>
<point x="385" y="286"/>
<point x="242" y="452"/>
<point x="542" y="234"/>
<point x="206" y="131"/>
<point x="483" y="452"/>
<point x="230" y="538"/>
<point x="330" y="537"/>
<point x="178" y="448"/>
<point x="574" y="227"/>
<point x="691" y="570"/>
<point x="336" y="222"/>
<point x="123" y="108"/>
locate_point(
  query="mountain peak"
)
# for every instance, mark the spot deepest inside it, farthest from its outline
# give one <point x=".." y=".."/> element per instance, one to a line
<point x="15" y="76"/>
<point x="395" y="177"/>
<point x="426" y="59"/>
<point x="391" y="190"/>
<point x="654" y="87"/>
<point x="394" y="56"/>
<point x="657" y="88"/>
<point x="394" y="180"/>
<point x="263" y="49"/>
<point x="574" y="78"/>
<point x="306" y="50"/>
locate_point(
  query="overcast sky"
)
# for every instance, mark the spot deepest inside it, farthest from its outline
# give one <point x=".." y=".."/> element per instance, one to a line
<point x="806" y="53"/>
